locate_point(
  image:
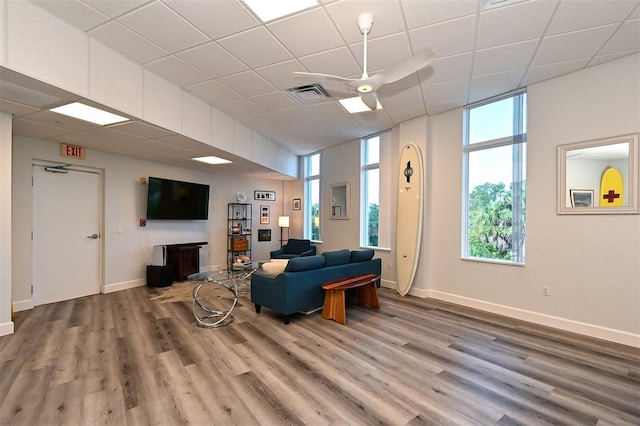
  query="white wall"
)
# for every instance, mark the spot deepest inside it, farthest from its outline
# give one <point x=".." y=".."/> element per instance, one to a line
<point x="126" y="254"/>
<point x="590" y="263"/>
<point x="6" y="324"/>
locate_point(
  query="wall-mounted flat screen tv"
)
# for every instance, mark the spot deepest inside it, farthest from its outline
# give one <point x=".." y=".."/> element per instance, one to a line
<point x="177" y="200"/>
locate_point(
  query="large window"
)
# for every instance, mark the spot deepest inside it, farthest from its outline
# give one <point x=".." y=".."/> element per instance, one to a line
<point x="374" y="231"/>
<point x="312" y="197"/>
<point x="495" y="179"/>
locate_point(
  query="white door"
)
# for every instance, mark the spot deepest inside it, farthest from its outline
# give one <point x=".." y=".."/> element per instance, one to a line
<point x="66" y="234"/>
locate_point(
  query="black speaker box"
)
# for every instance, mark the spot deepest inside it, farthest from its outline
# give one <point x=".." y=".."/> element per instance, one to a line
<point x="159" y="276"/>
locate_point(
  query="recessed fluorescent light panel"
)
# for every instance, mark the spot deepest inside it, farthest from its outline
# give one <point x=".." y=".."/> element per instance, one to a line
<point x="212" y="160"/>
<point x="268" y="10"/>
<point x="89" y="113"/>
<point x="355" y="105"/>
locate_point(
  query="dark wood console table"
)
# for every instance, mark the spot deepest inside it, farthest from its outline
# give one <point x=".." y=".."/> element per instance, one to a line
<point x="185" y="259"/>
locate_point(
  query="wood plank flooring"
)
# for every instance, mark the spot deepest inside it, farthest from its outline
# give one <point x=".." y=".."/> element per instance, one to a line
<point x="122" y="359"/>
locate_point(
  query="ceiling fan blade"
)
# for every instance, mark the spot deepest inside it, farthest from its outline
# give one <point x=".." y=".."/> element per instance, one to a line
<point x="321" y="77"/>
<point x="404" y="68"/>
<point x="370" y="99"/>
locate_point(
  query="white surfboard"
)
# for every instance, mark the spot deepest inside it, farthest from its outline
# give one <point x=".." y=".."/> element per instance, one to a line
<point x="409" y="217"/>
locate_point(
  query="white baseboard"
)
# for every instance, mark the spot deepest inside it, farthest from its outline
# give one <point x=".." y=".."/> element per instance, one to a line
<point x="590" y="330"/>
<point x="6" y="328"/>
<point x="564" y="324"/>
<point x="110" y="288"/>
<point x="22" y="305"/>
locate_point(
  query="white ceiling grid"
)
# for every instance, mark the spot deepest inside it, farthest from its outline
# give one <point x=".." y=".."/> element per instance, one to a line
<point x="221" y="53"/>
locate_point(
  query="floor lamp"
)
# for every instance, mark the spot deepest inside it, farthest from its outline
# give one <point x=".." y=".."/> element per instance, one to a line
<point x="283" y="222"/>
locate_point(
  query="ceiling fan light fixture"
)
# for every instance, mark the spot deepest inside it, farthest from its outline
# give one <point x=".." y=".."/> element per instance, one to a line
<point x="355" y="105"/>
<point x="365" y="88"/>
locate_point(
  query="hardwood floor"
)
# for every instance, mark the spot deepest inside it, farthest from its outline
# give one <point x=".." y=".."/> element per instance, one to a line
<point x="122" y="359"/>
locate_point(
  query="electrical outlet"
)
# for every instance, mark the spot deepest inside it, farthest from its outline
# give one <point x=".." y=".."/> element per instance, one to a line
<point x="545" y="290"/>
<point x="388" y="265"/>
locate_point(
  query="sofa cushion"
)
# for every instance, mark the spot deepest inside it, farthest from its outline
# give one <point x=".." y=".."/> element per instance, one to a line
<point x="304" y="263"/>
<point x="337" y="257"/>
<point x="295" y="246"/>
<point x="361" y="255"/>
<point x="273" y="269"/>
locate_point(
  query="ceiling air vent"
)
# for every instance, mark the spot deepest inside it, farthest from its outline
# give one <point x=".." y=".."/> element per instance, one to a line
<point x="308" y="94"/>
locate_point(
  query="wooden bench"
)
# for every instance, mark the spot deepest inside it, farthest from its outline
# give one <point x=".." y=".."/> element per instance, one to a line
<point x="334" y="301"/>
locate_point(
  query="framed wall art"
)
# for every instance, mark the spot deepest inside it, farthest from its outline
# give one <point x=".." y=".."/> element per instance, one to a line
<point x="264" y="234"/>
<point x="265" y="212"/>
<point x="264" y="195"/>
<point x="296" y="204"/>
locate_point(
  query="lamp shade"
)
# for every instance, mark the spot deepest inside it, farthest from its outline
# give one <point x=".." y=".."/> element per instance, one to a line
<point x="283" y="221"/>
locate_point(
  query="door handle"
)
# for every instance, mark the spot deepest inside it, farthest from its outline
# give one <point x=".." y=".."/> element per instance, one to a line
<point x="93" y="236"/>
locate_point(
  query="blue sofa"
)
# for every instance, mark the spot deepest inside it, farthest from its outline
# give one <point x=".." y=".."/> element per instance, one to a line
<point x="294" y="248"/>
<point x="299" y="287"/>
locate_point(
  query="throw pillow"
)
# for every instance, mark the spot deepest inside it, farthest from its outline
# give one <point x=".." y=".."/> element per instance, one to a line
<point x="273" y="269"/>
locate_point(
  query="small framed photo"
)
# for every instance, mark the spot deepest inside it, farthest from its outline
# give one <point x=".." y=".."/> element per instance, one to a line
<point x="581" y="197"/>
<point x="264" y="195"/>
<point x="264" y="234"/>
<point x="264" y="215"/>
<point x="296" y="204"/>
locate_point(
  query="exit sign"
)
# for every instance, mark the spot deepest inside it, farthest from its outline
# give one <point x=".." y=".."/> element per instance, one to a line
<point x="72" y="151"/>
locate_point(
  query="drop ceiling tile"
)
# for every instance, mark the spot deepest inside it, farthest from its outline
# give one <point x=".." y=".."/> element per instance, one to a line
<point x="339" y="62"/>
<point x="75" y="12"/>
<point x="412" y="96"/>
<point x="445" y="105"/>
<point x="128" y="43"/>
<point x="215" y="18"/>
<point x="450" y="68"/>
<point x="455" y="89"/>
<point x="256" y="47"/>
<point x="545" y="72"/>
<point x="274" y="101"/>
<point x="574" y="45"/>
<point x="14" y="108"/>
<point x="262" y="121"/>
<point x="34" y="129"/>
<point x="383" y="52"/>
<point x="212" y="59"/>
<point x="164" y="27"/>
<point x="406" y="112"/>
<point x="606" y="58"/>
<point x="387" y="18"/>
<point x="213" y="92"/>
<point x="176" y="71"/>
<point x="142" y="130"/>
<point x="306" y="33"/>
<point x="504" y="58"/>
<point x="180" y="142"/>
<point x="280" y="75"/>
<point x="26" y="96"/>
<point x="484" y="87"/>
<point x="419" y="13"/>
<point x="625" y="39"/>
<point x="573" y="15"/>
<point x="505" y="25"/>
<point x="115" y="8"/>
<point x="447" y="38"/>
<point x="240" y="108"/>
<point x="247" y="83"/>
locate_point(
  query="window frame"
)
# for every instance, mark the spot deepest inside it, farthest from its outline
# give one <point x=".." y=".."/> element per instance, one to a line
<point x="384" y="190"/>
<point x="308" y="205"/>
<point x="518" y="142"/>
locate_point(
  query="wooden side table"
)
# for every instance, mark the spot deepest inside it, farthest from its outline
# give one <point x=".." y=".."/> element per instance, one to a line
<point x="334" y="300"/>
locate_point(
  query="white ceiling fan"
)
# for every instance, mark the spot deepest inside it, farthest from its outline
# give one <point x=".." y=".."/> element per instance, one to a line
<point x="366" y="85"/>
